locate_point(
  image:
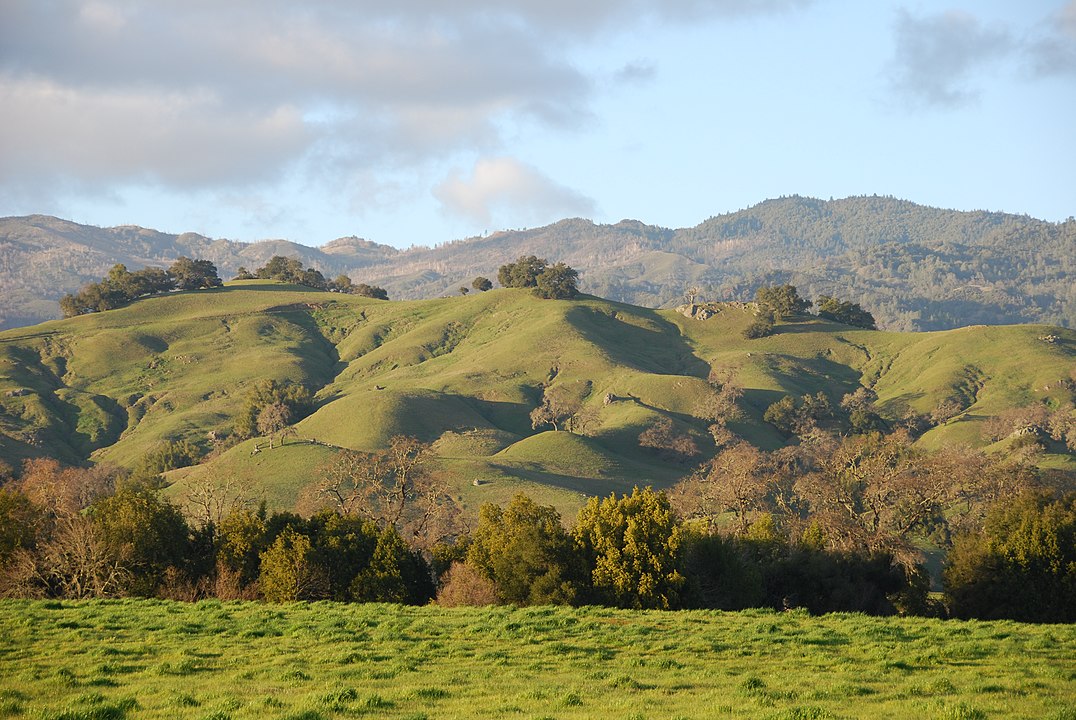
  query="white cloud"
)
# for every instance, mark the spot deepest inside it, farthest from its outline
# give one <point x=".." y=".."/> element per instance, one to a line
<point x="206" y="95"/>
<point x="505" y="189"/>
<point x="939" y="58"/>
<point x="173" y="138"/>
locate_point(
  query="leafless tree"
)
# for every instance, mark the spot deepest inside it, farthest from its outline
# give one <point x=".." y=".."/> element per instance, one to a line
<point x="272" y="419"/>
<point x="395" y="486"/>
<point x="214" y="498"/>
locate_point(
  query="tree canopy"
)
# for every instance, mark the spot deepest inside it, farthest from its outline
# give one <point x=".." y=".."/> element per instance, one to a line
<point x="121" y="286"/>
<point x="845" y="312"/>
<point x="781" y="301"/>
<point x="522" y="273"/>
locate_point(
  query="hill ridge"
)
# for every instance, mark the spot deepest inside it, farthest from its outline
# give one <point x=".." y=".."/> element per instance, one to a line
<point x="914" y="267"/>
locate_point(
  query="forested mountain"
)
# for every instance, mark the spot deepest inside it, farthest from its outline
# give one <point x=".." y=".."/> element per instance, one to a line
<point x="913" y="267"/>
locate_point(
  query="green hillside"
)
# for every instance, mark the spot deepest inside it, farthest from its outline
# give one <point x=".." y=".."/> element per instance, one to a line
<point x="466" y="372"/>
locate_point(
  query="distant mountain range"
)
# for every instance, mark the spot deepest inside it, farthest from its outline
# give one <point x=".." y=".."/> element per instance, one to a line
<point x="913" y="267"/>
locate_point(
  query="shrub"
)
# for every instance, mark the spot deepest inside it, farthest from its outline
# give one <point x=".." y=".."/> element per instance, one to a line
<point x="464" y="585"/>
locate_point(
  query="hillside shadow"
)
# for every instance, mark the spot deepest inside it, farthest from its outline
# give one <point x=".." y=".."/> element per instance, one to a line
<point x="600" y="487"/>
<point x="660" y="352"/>
<point x="319" y="357"/>
<point x="811" y="374"/>
<point x="510" y="417"/>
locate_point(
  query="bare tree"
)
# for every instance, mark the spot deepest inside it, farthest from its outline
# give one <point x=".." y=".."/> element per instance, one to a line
<point x="736" y="480"/>
<point x="77" y="562"/>
<point x="560" y="406"/>
<point x="214" y="498"/>
<point x="272" y="419"/>
<point x="395" y="486"/>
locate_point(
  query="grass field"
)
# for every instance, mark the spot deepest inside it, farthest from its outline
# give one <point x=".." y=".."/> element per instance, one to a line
<point x="159" y="659"/>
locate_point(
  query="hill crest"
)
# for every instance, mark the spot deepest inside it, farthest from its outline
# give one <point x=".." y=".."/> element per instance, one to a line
<point x="913" y="267"/>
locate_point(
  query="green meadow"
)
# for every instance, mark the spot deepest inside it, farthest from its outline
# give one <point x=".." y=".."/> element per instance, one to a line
<point x="162" y="659"/>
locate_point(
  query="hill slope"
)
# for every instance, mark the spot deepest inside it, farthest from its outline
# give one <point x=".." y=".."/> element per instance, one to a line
<point x="914" y="267"/>
<point x="466" y="372"/>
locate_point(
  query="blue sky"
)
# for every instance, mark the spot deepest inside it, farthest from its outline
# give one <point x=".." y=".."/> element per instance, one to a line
<point x="420" y="121"/>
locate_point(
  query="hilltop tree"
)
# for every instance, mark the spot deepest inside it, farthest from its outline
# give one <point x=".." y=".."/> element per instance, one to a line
<point x="194" y="274"/>
<point x="522" y="273"/>
<point x="284" y="269"/>
<point x="290" y="270"/>
<point x="781" y="301"/>
<point x="848" y="313"/>
<point x="481" y="284"/>
<point x="557" y="282"/>
<point x="341" y="283"/>
<point x="370" y="291"/>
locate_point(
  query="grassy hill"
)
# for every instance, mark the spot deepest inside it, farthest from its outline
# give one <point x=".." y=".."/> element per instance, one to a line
<point x="465" y="373"/>
<point x="913" y="267"/>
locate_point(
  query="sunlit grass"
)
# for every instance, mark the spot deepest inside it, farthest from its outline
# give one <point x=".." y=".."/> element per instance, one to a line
<point x="116" y="659"/>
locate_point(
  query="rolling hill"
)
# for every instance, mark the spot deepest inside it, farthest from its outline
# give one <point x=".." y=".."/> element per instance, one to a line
<point x="913" y="267"/>
<point x="465" y="372"/>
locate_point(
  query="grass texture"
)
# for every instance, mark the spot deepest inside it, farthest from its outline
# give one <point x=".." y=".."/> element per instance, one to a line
<point x="160" y="659"/>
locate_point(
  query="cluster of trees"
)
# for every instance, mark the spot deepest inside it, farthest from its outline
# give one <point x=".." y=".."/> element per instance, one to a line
<point x="826" y="529"/>
<point x="120" y="286"/>
<point x="291" y="270"/>
<point x="551" y="282"/>
<point x="68" y="532"/>
<point x="777" y="303"/>
<point x="271" y="407"/>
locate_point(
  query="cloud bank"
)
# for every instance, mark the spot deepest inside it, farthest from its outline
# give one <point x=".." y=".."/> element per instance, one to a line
<point x="195" y="94"/>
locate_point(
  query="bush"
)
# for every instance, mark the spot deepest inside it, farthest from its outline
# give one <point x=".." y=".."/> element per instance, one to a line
<point x="465" y="585"/>
<point x="633" y="547"/>
<point x="526" y="552"/>
<point x="1022" y="566"/>
<point x="288" y="570"/>
<point x="761" y="327"/>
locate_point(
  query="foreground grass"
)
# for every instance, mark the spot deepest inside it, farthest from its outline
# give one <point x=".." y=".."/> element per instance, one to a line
<point x="149" y="659"/>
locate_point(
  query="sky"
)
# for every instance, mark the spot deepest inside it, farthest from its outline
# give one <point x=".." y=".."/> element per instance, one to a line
<point x="415" y="122"/>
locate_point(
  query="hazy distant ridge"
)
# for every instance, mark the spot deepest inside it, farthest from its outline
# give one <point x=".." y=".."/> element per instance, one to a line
<point x="914" y="267"/>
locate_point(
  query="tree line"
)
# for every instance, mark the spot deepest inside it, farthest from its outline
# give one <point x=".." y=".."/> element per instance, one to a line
<point x="751" y="530"/>
<point x="121" y="286"/>
<point x="778" y="303"/>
